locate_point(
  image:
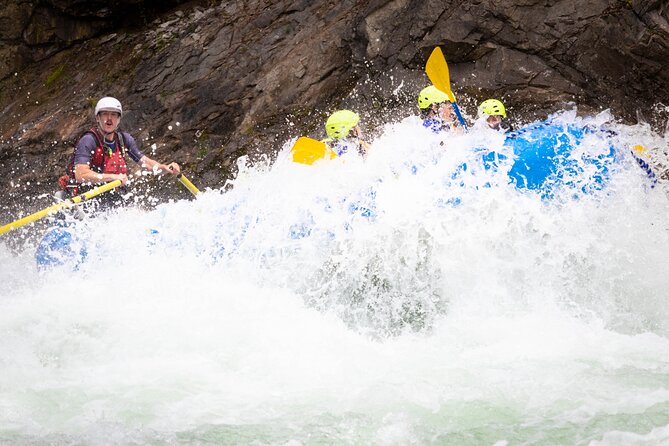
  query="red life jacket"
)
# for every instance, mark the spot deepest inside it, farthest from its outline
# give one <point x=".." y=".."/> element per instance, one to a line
<point x="104" y="160"/>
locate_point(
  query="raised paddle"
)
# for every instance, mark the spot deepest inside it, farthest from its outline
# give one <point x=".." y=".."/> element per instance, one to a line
<point x="307" y="150"/>
<point x="62" y="205"/>
<point x="437" y="70"/>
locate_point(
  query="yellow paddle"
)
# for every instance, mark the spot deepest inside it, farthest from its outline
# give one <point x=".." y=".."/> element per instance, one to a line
<point x="186" y="182"/>
<point x="437" y="70"/>
<point x="307" y="150"/>
<point x="79" y="198"/>
<point x="641" y="150"/>
<point x="62" y="205"/>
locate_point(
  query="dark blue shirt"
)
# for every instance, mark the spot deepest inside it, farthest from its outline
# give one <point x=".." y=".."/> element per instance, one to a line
<point x="436" y="125"/>
<point x="87" y="144"/>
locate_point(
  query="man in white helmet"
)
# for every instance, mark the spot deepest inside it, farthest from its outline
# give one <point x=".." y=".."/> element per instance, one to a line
<point x="99" y="156"/>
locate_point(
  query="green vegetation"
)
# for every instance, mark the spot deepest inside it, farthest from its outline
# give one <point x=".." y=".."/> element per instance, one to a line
<point x="160" y="44"/>
<point x="55" y="75"/>
<point x="91" y="101"/>
<point x="163" y="41"/>
<point x="202" y="146"/>
<point x="166" y="94"/>
<point x="249" y="130"/>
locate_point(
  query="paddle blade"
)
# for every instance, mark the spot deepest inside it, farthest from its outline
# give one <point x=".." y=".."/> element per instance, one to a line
<point x="639" y="149"/>
<point x="437" y="70"/>
<point x="307" y="150"/>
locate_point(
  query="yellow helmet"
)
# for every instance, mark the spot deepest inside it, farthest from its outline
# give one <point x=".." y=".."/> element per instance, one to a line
<point x="431" y="95"/>
<point x="493" y="107"/>
<point x="340" y="123"/>
<point x="640" y="149"/>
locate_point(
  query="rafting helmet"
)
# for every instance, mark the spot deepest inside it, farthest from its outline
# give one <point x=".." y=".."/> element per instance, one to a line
<point x="493" y="107"/>
<point x="431" y="95"/>
<point x="109" y="104"/>
<point x="340" y="123"/>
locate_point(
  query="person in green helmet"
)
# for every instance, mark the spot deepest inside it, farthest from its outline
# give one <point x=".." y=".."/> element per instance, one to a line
<point x="496" y="115"/>
<point x="344" y="134"/>
<point x="437" y="111"/>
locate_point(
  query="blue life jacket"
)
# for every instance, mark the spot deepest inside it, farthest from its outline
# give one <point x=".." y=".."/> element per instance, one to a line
<point x="344" y="145"/>
<point x="436" y="125"/>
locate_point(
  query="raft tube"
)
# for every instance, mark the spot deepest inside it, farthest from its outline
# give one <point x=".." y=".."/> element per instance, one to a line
<point x="547" y="156"/>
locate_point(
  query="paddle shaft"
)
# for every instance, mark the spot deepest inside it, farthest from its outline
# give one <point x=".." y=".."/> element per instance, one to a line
<point x="460" y="118"/>
<point x="58" y="206"/>
<point x="186" y="182"/>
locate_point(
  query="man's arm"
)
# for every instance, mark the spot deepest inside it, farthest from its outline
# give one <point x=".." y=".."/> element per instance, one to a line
<point x="145" y="162"/>
<point x="84" y="174"/>
<point x="157" y="167"/>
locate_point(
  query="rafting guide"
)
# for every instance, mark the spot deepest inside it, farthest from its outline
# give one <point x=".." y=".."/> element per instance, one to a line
<point x="99" y="155"/>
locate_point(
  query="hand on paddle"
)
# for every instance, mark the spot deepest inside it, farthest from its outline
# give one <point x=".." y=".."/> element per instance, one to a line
<point x="157" y="167"/>
<point x="121" y="176"/>
<point x="172" y="168"/>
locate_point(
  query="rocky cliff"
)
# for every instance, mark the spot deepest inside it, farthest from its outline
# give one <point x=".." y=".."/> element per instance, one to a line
<point x="205" y="82"/>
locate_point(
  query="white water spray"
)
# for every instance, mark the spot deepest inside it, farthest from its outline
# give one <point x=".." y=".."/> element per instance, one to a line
<point x="349" y="302"/>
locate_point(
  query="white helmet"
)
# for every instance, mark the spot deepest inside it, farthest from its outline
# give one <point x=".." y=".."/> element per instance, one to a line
<point x="109" y="104"/>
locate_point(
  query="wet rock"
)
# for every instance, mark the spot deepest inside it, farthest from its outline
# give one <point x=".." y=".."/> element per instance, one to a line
<point x="242" y="78"/>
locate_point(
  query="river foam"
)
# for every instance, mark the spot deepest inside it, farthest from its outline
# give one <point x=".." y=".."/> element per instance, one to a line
<point x="352" y="302"/>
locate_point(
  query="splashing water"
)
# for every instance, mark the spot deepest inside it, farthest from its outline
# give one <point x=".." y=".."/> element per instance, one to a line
<point x="400" y="300"/>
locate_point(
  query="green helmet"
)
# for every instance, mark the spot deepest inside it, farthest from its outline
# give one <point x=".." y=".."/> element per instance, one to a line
<point x="340" y="123"/>
<point x="431" y="95"/>
<point x="493" y="107"/>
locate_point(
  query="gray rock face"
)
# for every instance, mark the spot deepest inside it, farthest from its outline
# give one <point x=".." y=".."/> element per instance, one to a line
<point x="207" y="81"/>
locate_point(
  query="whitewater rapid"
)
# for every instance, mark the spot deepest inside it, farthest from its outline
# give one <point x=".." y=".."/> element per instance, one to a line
<point x="353" y="302"/>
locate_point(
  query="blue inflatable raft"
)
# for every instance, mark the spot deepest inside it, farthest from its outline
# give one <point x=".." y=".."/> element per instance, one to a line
<point x="544" y="157"/>
<point x="548" y="156"/>
<point x="59" y="246"/>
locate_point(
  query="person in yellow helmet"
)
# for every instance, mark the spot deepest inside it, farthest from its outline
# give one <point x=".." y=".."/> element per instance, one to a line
<point x="496" y="114"/>
<point x="344" y="134"/>
<point x="437" y="111"/>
